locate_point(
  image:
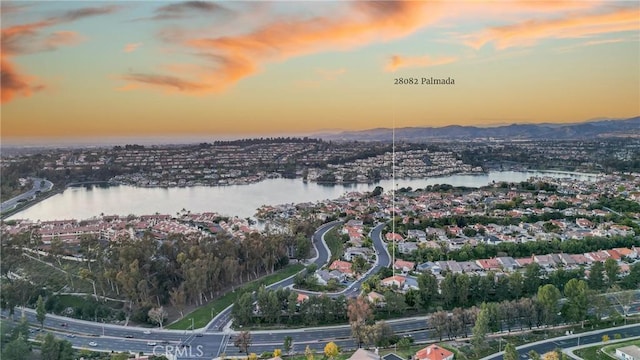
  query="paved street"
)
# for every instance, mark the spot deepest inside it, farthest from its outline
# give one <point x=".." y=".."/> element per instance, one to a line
<point x="564" y="342"/>
<point x="39" y="185"/>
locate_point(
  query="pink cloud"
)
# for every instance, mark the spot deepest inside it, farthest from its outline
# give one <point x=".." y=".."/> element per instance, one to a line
<point x="131" y="47"/>
<point x="530" y="32"/>
<point x="27" y="38"/>
<point x="364" y="22"/>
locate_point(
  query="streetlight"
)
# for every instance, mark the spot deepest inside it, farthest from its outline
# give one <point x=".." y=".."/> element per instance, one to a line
<point x="212" y="311"/>
<point x="192" y="325"/>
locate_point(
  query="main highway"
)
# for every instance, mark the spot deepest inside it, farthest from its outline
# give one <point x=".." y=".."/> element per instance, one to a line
<point x="39" y="185"/>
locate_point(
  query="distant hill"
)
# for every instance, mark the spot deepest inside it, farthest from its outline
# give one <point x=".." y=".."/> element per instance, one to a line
<point x="585" y="130"/>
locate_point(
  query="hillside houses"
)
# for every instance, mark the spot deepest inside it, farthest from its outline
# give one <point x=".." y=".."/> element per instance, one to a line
<point x="111" y="227"/>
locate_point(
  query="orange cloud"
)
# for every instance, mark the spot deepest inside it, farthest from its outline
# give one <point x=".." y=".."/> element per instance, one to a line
<point x="13" y="83"/>
<point x="363" y="22"/>
<point x="397" y="62"/>
<point x="131" y="47"/>
<point x="530" y="32"/>
<point x="27" y="38"/>
<point x="163" y="81"/>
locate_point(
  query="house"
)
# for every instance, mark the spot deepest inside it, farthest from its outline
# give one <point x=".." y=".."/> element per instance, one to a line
<point x="417" y="234"/>
<point x="302" y="298"/>
<point x="545" y="261"/>
<point x="630" y="253"/>
<point x="405" y="266"/>
<point x="376" y="298"/>
<point x="567" y="260"/>
<point x="393" y="237"/>
<point x="342" y="266"/>
<point x="631" y="352"/>
<point x="362" y="354"/>
<point x="469" y="266"/>
<point x="584" y="223"/>
<point x="523" y="262"/>
<point x="396" y="280"/>
<point x="426" y="266"/>
<point x="580" y="259"/>
<point x="352" y="252"/>
<point x="324" y="276"/>
<point x="407" y="247"/>
<point x="434" y="352"/>
<point x="597" y="256"/>
<point x="508" y="263"/>
<point x="488" y="264"/>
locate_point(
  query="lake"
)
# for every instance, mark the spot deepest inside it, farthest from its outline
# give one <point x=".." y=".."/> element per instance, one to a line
<point x="236" y="200"/>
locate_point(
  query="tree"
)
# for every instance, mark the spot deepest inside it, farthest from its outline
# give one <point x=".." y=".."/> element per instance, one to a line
<point x="439" y="321"/>
<point x="178" y="299"/>
<point x="358" y="312"/>
<point x="308" y="353"/>
<point x="243" y="309"/>
<point x="516" y="285"/>
<point x="404" y="343"/>
<point x="611" y="269"/>
<point x="157" y="315"/>
<point x="548" y="296"/>
<point x="288" y="344"/>
<point x="510" y="352"/>
<point x="17" y="349"/>
<point x="632" y="280"/>
<point x="331" y="350"/>
<point x="243" y="342"/>
<point x="448" y="290"/>
<point x="303" y="246"/>
<point x="277" y="353"/>
<point x="427" y="289"/>
<point x="533" y="355"/>
<point x="54" y="349"/>
<point x="359" y="265"/>
<point x="596" y="278"/>
<point x="394" y="302"/>
<point x="532" y="281"/>
<point x="575" y="309"/>
<point x="481" y="328"/>
<point x="605" y="338"/>
<point x="41" y="313"/>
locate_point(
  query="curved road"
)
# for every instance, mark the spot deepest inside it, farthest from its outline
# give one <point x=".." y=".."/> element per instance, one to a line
<point x="37" y="188"/>
<point x="221" y="320"/>
<point x="211" y="341"/>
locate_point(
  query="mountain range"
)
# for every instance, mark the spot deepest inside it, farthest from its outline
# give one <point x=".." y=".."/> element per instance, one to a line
<point x="545" y="131"/>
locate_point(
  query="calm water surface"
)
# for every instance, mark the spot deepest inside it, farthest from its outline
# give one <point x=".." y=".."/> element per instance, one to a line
<point x="237" y="200"/>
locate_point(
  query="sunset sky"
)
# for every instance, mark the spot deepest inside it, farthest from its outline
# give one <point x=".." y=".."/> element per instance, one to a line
<point x="85" y="69"/>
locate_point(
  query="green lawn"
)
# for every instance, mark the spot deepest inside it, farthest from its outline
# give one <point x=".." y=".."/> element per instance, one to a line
<point x="334" y="243"/>
<point x="202" y="315"/>
<point x="611" y="349"/>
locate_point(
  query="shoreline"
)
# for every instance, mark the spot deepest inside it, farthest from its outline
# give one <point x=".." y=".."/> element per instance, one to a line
<point x="344" y="187"/>
<point x="28" y="204"/>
